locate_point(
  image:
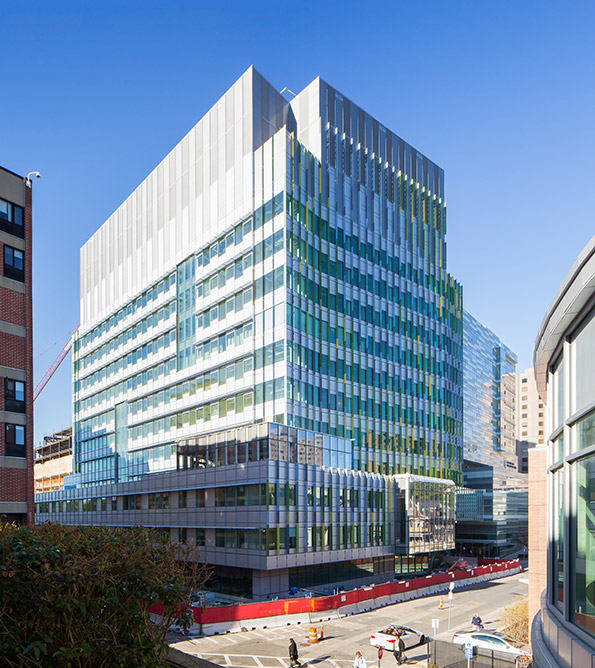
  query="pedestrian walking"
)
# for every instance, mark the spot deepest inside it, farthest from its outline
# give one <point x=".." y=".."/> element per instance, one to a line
<point x="399" y="651"/>
<point x="293" y="653"/>
<point x="359" y="661"/>
<point x="477" y="623"/>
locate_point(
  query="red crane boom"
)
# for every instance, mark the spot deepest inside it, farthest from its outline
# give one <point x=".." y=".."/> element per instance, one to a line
<point x="50" y="372"/>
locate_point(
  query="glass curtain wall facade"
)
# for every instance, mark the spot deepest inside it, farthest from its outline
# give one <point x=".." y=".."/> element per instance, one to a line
<point x="497" y="526"/>
<point x="374" y="320"/>
<point x="564" y="370"/>
<point x="286" y="264"/>
<point x="489" y="389"/>
<point x="489" y="447"/>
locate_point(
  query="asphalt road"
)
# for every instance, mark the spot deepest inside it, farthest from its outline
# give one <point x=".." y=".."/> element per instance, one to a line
<point x="267" y="648"/>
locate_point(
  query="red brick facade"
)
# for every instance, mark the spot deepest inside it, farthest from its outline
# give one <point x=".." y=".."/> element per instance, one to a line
<point x="13" y="351"/>
<point x="16" y="352"/>
<point x="14" y="485"/>
<point x="12" y="306"/>
<point x="29" y="355"/>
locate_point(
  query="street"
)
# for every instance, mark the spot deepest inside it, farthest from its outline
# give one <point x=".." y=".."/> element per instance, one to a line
<point x="267" y="648"/>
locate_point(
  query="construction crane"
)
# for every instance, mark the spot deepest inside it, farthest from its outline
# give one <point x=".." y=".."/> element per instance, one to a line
<point x="56" y="363"/>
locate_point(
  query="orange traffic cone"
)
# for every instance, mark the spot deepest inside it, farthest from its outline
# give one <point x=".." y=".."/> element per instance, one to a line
<point x="440" y="607"/>
<point x="321" y="632"/>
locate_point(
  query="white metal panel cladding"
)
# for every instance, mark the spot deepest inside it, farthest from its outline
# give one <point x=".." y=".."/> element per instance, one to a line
<point x="204" y="185"/>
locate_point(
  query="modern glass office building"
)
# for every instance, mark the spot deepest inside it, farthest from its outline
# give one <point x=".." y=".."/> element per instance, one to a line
<point x="499" y="524"/>
<point x="564" y="361"/>
<point x="281" y="272"/>
<point x="499" y="529"/>
<point x="489" y="391"/>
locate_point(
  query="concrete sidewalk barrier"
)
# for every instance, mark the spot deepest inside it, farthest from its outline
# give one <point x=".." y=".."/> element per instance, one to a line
<point x="347" y="610"/>
<point x="211" y="621"/>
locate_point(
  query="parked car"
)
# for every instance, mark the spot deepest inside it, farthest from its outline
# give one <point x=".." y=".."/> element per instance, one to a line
<point x="496" y="642"/>
<point x="388" y="637"/>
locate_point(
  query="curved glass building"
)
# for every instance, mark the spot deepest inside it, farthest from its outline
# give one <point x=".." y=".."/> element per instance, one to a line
<point x="564" y="631"/>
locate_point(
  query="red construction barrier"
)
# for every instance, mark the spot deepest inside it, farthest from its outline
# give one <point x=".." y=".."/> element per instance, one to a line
<point x="320" y="604"/>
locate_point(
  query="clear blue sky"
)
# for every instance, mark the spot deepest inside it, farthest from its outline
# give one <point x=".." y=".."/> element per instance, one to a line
<point x="501" y="95"/>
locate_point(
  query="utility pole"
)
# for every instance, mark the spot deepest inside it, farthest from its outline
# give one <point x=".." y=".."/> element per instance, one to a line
<point x="451" y="586"/>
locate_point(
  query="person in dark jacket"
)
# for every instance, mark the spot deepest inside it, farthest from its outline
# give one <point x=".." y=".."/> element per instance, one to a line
<point x="293" y="653"/>
<point x="477" y="623"/>
<point x="399" y="651"/>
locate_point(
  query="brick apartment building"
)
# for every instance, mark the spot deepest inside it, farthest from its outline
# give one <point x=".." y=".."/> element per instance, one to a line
<point x="16" y="350"/>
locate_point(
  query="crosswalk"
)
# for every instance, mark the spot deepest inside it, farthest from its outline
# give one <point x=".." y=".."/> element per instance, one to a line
<point x="267" y="648"/>
<point x="263" y="661"/>
<point x="268" y="634"/>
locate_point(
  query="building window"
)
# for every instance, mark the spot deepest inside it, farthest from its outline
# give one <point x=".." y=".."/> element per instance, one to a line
<point x="159" y="501"/>
<point x="14" y="438"/>
<point x="14" y="263"/>
<point x="558" y="541"/>
<point x="583" y="605"/>
<point x="12" y="219"/>
<point x="14" y="395"/>
<point x="131" y="502"/>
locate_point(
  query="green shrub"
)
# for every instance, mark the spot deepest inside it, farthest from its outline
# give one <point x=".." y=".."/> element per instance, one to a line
<point x="77" y="597"/>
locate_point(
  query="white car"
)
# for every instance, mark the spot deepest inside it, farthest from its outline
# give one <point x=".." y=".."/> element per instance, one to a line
<point x="387" y="638"/>
<point x="495" y="642"/>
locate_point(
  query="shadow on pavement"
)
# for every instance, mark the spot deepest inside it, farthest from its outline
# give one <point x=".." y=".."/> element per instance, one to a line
<point x="413" y="656"/>
<point x="318" y="659"/>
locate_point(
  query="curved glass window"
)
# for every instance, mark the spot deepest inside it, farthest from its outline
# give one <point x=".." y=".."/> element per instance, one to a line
<point x="558" y="448"/>
<point x="584" y="355"/>
<point x="558" y="394"/>
<point x="558" y="541"/>
<point x="583" y="608"/>
<point x="584" y="432"/>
